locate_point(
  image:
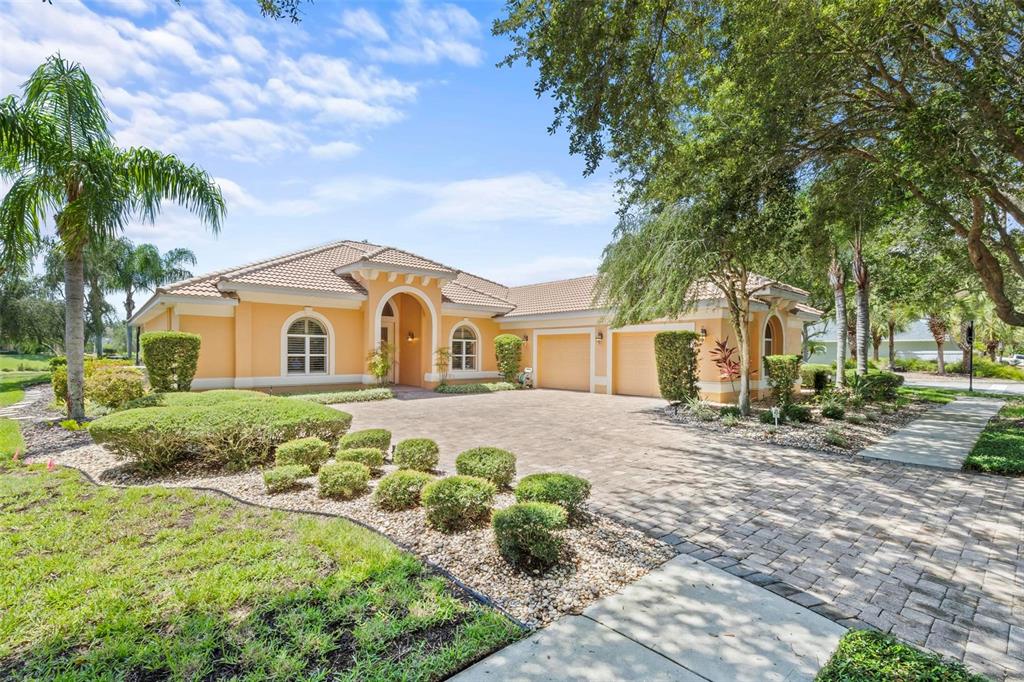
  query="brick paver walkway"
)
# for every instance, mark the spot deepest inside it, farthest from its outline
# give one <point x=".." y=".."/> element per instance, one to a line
<point x="934" y="557"/>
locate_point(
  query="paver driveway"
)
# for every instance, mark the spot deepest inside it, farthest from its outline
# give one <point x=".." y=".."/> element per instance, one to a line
<point x="935" y="557"/>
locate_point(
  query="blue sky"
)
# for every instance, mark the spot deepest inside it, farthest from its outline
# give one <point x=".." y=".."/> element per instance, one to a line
<point x="369" y="120"/>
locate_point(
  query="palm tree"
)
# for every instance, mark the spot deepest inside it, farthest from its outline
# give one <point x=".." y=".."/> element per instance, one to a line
<point x="56" y="146"/>
<point x="142" y="267"/>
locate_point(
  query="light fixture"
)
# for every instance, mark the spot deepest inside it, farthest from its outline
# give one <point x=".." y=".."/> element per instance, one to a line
<point x="410" y="336"/>
<point x="703" y="333"/>
<point x="599" y="337"/>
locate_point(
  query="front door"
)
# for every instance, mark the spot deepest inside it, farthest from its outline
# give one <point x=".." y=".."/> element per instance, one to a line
<point x="387" y="335"/>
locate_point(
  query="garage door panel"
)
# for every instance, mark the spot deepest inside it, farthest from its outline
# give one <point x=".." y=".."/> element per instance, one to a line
<point x="635" y="369"/>
<point x="563" y="361"/>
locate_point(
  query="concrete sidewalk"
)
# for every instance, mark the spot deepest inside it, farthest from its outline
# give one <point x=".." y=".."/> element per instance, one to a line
<point x="941" y="438"/>
<point x="684" y="621"/>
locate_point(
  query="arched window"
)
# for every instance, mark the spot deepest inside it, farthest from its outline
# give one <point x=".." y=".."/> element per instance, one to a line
<point x="307" y="347"/>
<point x="464" y="348"/>
<point x="772" y="336"/>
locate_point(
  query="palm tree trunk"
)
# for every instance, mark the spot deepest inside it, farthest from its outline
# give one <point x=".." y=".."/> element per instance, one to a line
<point x="129" y="308"/>
<point x="96" y="317"/>
<point x="937" y="326"/>
<point x="837" y="277"/>
<point x="892" y="345"/>
<point x="74" y="331"/>
<point x="860" y="276"/>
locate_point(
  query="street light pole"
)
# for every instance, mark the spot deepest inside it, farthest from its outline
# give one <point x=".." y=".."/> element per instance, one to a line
<point x="970" y="357"/>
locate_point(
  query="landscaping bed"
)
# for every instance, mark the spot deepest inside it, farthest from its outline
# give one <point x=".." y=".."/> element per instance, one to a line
<point x="870" y="656"/>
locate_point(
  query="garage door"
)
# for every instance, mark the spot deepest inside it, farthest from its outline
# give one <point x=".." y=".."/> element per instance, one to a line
<point x="635" y="370"/>
<point x="563" y="361"/>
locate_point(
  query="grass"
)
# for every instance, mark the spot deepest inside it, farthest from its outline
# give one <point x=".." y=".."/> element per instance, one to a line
<point x="24" y="363"/>
<point x="476" y="388"/>
<point x="10" y="439"/>
<point x="1000" y="448"/>
<point x="942" y="396"/>
<point x="869" y="656"/>
<point x="152" y="583"/>
<point x="337" y="397"/>
<point x="12" y="386"/>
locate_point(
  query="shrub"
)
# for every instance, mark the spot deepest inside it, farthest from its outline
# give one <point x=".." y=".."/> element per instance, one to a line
<point x="701" y="410"/>
<point x="463" y="389"/>
<point x="798" y="413"/>
<point x="457" y="502"/>
<point x="401" y="489"/>
<point x="567" y="491"/>
<point x="371" y="457"/>
<point x="874" y="385"/>
<point x="730" y="420"/>
<point x="310" y="452"/>
<point x="914" y="365"/>
<point x="783" y="371"/>
<point x="508" y="350"/>
<point x="525" y="533"/>
<point x="816" y="377"/>
<point x="493" y="464"/>
<point x="766" y="417"/>
<point x="71" y="425"/>
<point x="833" y="410"/>
<point x="234" y="435"/>
<point x="379" y="439"/>
<point x="836" y="438"/>
<point x="170" y="359"/>
<point x="59" y="382"/>
<point x="336" y="397"/>
<point x="676" y="356"/>
<point x="203" y="399"/>
<point x="344" y="480"/>
<point x="416" y="453"/>
<point x="114" y="386"/>
<point x="59" y="372"/>
<point x="285" y="477"/>
<point x="730" y="411"/>
<point x="856" y="419"/>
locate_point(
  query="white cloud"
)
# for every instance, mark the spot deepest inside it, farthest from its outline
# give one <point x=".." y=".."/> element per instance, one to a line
<point x="339" y="149"/>
<point x="133" y="7"/>
<point x="249" y="48"/>
<point x="243" y="139"/>
<point x="197" y="105"/>
<point x="362" y="23"/>
<point x="420" y="35"/>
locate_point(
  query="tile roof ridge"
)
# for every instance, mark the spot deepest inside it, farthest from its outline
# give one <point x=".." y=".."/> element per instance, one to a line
<point x="483" y="293"/>
<point x="554" y="281"/>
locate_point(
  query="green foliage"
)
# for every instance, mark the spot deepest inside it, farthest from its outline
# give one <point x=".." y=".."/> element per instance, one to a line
<point x="567" y="491"/>
<point x="458" y="502"/>
<point x="1000" y="448"/>
<point x="525" y="533"/>
<point x="11" y="440"/>
<point x="443" y="363"/>
<point x="676" y="356"/>
<point x="203" y="399"/>
<point x="59" y="372"/>
<point x="420" y="454"/>
<point x="798" y="413"/>
<point x="339" y="397"/>
<point x="508" y="349"/>
<point x="766" y="417"/>
<point x="701" y="409"/>
<point x="871" y="656"/>
<point x="170" y="359"/>
<point x="310" y="452"/>
<point x="379" y="362"/>
<point x="71" y="425"/>
<point x="371" y="457"/>
<point x="344" y="480"/>
<point x="401" y="489"/>
<point x="835" y="437"/>
<point x="114" y="386"/>
<point x="833" y="409"/>
<point x="285" y="477"/>
<point x="463" y="389"/>
<point x="493" y="464"/>
<point x="985" y="368"/>
<point x="234" y="435"/>
<point x="856" y="419"/>
<point x="730" y="420"/>
<point x="913" y="365"/>
<point x="874" y="385"/>
<point x="783" y="372"/>
<point x="816" y="377"/>
<point x="379" y="439"/>
<point x="730" y="411"/>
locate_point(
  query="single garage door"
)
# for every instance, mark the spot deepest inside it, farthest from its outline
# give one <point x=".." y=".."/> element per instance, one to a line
<point x="635" y="370"/>
<point x="563" y="361"/>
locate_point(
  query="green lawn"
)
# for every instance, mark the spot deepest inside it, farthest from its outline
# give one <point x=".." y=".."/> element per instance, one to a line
<point x="10" y="438"/>
<point x="868" y="656"/>
<point x="23" y="363"/>
<point x="1000" y="449"/>
<point x="152" y="583"/>
<point x="12" y="385"/>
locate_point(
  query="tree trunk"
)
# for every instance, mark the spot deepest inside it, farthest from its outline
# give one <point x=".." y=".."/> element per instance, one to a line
<point x="937" y="326"/>
<point x="129" y="308"/>
<point x="860" y="276"/>
<point x="837" y="277"/>
<point x="74" y="331"/>
<point x="876" y="344"/>
<point x="743" y="401"/>
<point x="892" y="346"/>
<point x="96" y="317"/>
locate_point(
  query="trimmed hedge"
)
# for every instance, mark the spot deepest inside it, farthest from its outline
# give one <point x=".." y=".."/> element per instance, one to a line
<point x="783" y="372"/>
<point x="457" y="502"/>
<point x="379" y="439"/>
<point x="59" y="372"/>
<point x="676" y="357"/>
<point x="465" y="389"/>
<point x="508" y="350"/>
<point x="401" y="489"/>
<point x="525" y="533"/>
<point x="310" y="452"/>
<point x="371" y="457"/>
<point x="170" y="359"/>
<point x="235" y="435"/>
<point x="203" y="399"/>
<point x="493" y="464"/>
<point x="817" y="377"/>
<point x="567" y="491"/>
<point x="344" y="480"/>
<point x="286" y="477"/>
<point x="337" y="397"/>
<point x="114" y="386"/>
<point x="420" y="454"/>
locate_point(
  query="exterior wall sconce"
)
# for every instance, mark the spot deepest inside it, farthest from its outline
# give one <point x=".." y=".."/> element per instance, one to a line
<point x="703" y="333"/>
<point x="526" y="338"/>
<point x="410" y="336"/>
<point x="600" y="337"/>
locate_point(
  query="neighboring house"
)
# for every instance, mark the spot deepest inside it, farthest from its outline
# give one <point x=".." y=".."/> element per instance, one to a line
<point x="312" y="317"/>
<point x="916" y="342"/>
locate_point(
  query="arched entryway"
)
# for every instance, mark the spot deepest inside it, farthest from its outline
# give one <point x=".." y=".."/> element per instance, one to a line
<point x="411" y="329"/>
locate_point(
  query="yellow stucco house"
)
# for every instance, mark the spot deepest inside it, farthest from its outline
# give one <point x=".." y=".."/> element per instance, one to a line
<point x="310" y="318"/>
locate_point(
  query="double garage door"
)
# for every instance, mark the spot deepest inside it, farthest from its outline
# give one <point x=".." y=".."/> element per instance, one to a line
<point x="563" y="362"/>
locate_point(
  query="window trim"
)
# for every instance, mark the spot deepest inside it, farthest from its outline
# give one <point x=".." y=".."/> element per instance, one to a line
<point x="476" y="356"/>
<point x="328" y="328"/>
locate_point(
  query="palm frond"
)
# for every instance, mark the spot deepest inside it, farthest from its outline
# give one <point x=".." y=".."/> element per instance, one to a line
<point x="62" y="92"/>
<point x="22" y="212"/>
<point x="154" y="176"/>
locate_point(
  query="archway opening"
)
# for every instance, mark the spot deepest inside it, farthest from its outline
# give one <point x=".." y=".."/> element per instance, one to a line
<point x="409" y="330"/>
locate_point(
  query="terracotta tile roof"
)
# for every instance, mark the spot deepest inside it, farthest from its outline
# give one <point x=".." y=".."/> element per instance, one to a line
<point x="460" y="294"/>
<point x="313" y="269"/>
<point x="387" y="255"/>
<point x="561" y="296"/>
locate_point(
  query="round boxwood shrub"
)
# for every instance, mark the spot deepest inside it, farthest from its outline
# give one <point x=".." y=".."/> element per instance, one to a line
<point x="201" y="399"/>
<point x="525" y="533"/>
<point x="458" y="502"/>
<point x="311" y="452"/>
<point x="567" y="491"/>
<point x="494" y="464"/>
<point x="234" y="435"/>
<point x="798" y="413"/>
<point x="344" y="480"/>
<point x="171" y="359"/>
<point x="401" y="489"/>
<point x="284" y="478"/>
<point x="371" y="457"/>
<point x="367" y="438"/>
<point x="114" y="386"/>
<point x="416" y="453"/>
